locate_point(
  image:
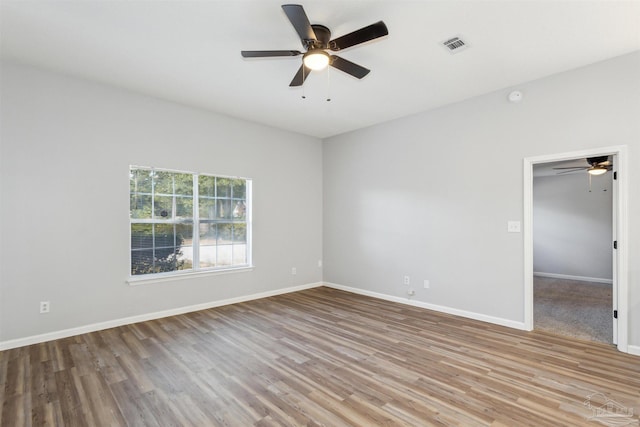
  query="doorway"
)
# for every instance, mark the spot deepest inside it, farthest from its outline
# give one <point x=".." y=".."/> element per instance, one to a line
<point x="619" y="261"/>
<point x="572" y="249"/>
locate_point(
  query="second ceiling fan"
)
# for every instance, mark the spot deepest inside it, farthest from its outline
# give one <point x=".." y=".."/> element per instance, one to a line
<point x="316" y="40"/>
<point x="597" y="166"/>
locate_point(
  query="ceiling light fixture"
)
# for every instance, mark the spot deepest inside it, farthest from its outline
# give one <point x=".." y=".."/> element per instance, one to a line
<point x="597" y="170"/>
<point x="316" y="59"/>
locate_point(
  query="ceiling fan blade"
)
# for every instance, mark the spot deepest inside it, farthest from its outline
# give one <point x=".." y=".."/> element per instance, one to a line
<point x="349" y="67"/>
<point x="575" y="167"/>
<point x="373" y="31"/>
<point x="300" y="22"/>
<point x="569" y="171"/>
<point x="301" y="76"/>
<point x="268" y="53"/>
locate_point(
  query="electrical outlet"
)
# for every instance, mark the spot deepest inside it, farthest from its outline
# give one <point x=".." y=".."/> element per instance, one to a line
<point x="407" y="280"/>
<point x="294" y="271"/>
<point x="319" y="263"/>
<point x="411" y="292"/>
<point x="426" y="284"/>
<point x="45" y="307"/>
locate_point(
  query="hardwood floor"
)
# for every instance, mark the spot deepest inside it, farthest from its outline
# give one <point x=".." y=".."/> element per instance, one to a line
<point x="320" y="357"/>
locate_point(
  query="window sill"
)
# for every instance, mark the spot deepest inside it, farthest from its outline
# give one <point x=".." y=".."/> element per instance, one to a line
<point x="159" y="278"/>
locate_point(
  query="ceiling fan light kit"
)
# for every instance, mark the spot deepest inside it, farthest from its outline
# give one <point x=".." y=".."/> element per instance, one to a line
<point x="316" y="40"/>
<point x="597" y="170"/>
<point x="316" y="59"/>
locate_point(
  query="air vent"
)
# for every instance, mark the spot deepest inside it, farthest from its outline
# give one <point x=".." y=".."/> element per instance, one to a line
<point x="455" y="44"/>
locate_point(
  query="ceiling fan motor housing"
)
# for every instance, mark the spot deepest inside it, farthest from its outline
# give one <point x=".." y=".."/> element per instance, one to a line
<point x="593" y="161"/>
<point x="323" y="35"/>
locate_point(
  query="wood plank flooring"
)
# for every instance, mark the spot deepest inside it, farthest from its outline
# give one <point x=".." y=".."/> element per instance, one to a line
<point x="320" y="357"/>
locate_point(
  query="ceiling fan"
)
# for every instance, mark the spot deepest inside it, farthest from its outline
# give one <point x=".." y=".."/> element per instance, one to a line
<point x="596" y="166"/>
<point x="316" y="40"/>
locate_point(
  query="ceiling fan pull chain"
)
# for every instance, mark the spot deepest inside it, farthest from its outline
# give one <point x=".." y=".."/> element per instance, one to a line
<point x="303" y="79"/>
<point x="328" y="85"/>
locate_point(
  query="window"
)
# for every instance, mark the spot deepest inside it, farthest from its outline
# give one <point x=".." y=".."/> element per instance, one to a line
<point x="185" y="222"/>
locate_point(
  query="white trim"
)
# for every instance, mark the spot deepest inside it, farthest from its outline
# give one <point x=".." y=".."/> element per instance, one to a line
<point x="153" y="168"/>
<point x="168" y="277"/>
<point x="527" y="237"/>
<point x="571" y="277"/>
<point x="440" y="308"/>
<point x="633" y="349"/>
<point x="36" y="339"/>
<point x="621" y="272"/>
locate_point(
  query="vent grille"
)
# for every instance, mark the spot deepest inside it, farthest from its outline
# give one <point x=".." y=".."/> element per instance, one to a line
<point x="455" y="44"/>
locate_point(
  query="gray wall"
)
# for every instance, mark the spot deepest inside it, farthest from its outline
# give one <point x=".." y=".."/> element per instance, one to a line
<point x="66" y="149"/>
<point x="430" y="195"/>
<point x="572" y="226"/>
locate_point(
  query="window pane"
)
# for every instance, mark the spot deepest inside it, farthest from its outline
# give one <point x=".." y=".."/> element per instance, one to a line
<point x="207" y="256"/>
<point x="140" y="181"/>
<point x="163" y="207"/>
<point x="184" y="244"/>
<point x="173" y="247"/>
<point x="208" y="234"/>
<point x="239" y="254"/>
<point x="183" y="184"/>
<point x="225" y="255"/>
<point x="184" y="207"/>
<point x="208" y="242"/>
<point x="239" y="244"/>
<point x="207" y="208"/>
<point x="184" y="235"/>
<point x="239" y="188"/>
<point x="165" y="236"/>
<point x="224" y="187"/>
<point x="224" y="233"/>
<point x="239" y="210"/>
<point x="141" y="236"/>
<point x="140" y="206"/>
<point x="239" y="233"/>
<point x="224" y="209"/>
<point x="142" y="262"/>
<point x="163" y="182"/>
<point x="207" y="186"/>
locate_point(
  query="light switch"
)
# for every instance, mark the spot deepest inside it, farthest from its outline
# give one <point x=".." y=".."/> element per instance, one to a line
<point x="513" y="226"/>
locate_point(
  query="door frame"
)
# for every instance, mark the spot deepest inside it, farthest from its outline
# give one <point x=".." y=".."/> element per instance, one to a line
<point x="620" y="233"/>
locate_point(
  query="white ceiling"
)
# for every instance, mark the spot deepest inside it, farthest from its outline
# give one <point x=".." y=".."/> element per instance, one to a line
<point x="189" y="52"/>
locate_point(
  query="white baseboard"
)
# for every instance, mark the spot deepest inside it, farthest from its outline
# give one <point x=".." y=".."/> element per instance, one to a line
<point x="633" y="349"/>
<point x="570" y="277"/>
<point x="36" y="339"/>
<point x="462" y="313"/>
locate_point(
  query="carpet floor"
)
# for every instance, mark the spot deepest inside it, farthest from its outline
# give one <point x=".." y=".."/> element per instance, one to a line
<point x="573" y="308"/>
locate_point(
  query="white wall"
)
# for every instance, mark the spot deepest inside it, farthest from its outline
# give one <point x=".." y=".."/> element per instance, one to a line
<point x="66" y="149"/>
<point x="430" y="195"/>
<point x="572" y="226"/>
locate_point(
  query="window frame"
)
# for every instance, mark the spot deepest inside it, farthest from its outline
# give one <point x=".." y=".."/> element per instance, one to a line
<point x="196" y="270"/>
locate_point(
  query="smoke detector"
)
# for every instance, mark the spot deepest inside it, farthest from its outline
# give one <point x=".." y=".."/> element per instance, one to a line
<point x="515" y="96"/>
